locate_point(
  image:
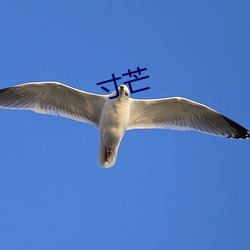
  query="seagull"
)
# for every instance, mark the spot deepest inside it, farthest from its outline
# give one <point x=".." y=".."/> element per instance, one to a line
<point x="114" y="116"/>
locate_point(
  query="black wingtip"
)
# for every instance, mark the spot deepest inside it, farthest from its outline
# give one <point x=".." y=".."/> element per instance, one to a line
<point x="248" y="134"/>
<point x="239" y="131"/>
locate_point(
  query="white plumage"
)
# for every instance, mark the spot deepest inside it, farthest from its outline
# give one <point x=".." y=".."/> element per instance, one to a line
<point x="113" y="117"/>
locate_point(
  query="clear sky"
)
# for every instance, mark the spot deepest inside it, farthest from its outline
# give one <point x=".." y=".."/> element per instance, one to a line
<point x="168" y="189"/>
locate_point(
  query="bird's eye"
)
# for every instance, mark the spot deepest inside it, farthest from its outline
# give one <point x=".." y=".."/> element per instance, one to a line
<point x="126" y="93"/>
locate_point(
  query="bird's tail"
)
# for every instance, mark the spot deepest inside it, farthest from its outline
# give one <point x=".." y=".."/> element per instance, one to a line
<point x="107" y="157"/>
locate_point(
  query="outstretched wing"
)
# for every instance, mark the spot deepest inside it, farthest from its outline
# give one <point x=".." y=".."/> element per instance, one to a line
<point x="182" y="114"/>
<point x="54" y="98"/>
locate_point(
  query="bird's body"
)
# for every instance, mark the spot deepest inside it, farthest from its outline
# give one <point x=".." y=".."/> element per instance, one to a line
<point x="113" y="117"/>
<point x="113" y="124"/>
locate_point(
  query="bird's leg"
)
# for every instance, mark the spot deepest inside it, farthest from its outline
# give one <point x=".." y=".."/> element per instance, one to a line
<point x="108" y="154"/>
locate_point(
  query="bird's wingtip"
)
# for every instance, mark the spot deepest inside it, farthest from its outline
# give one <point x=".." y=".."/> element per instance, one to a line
<point x="248" y="134"/>
<point x="239" y="131"/>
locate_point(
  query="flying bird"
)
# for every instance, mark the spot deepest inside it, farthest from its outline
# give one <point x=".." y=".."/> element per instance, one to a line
<point x="113" y="117"/>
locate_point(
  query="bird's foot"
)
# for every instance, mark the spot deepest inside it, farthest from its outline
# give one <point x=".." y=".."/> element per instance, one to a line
<point x="108" y="154"/>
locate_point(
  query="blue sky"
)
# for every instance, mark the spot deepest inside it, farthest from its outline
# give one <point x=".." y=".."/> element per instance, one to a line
<point x="169" y="189"/>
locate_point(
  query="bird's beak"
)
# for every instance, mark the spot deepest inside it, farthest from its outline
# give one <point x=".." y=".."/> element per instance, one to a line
<point x="122" y="89"/>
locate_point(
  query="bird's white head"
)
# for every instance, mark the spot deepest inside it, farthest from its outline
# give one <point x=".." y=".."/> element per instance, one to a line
<point x="123" y="92"/>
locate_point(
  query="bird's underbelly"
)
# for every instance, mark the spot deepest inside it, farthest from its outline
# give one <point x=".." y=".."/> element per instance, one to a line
<point x="111" y="138"/>
<point x="112" y="129"/>
<point x="112" y="133"/>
